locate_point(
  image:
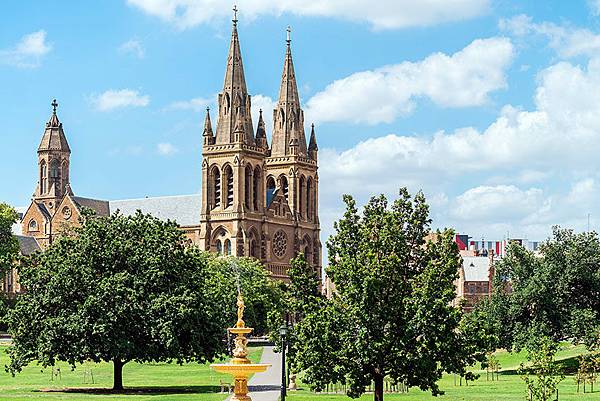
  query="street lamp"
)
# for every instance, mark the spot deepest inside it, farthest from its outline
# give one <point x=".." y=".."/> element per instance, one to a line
<point x="283" y="332"/>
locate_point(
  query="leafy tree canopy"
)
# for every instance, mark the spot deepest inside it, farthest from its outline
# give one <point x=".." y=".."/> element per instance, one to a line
<point x="555" y="294"/>
<point x="391" y="315"/>
<point x="118" y="289"/>
<point x="9" y="246"/>
<point x="262" y="295"/>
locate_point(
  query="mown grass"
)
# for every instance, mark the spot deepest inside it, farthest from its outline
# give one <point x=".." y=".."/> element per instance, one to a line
<point x="143" y="382"/>
<point x="509" y="387"/>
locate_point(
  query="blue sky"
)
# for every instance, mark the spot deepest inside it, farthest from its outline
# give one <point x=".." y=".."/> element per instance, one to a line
<point x="491" y="107"/>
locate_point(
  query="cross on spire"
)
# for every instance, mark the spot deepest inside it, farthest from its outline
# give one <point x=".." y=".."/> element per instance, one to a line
<point x="289" y="34"/>
<point x="54" y="105"/>
<point x="235" y="11"/>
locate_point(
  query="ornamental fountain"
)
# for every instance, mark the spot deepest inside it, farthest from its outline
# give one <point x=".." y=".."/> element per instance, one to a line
<point x="240" y="367"/>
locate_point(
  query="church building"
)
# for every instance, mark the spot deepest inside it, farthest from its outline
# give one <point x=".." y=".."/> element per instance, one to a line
<point x="257" y="199"/>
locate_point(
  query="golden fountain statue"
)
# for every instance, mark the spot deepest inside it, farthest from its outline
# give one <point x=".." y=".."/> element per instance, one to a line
<point x="240" y="366"/>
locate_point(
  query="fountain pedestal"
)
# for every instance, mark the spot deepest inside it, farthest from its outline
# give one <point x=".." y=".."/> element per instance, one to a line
<point x="240" y="367"/>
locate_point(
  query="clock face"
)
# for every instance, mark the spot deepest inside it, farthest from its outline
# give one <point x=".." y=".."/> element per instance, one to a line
<point x="66" y="212"/>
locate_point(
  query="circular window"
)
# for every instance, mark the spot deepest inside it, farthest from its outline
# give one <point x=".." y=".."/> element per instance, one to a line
<point x="279" y="244"/>
<point x="66" y="212"/>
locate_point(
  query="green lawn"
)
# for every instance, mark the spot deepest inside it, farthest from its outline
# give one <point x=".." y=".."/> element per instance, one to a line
<point x="510" y="387"/>
<point x="143" y="382"/>
<point x="161" y="382"/>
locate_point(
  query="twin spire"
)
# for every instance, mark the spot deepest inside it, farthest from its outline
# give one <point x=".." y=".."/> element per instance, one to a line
<point x="234" y="124"/>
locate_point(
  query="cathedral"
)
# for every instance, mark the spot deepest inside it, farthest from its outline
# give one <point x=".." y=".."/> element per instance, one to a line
<point x="257" y="199"/>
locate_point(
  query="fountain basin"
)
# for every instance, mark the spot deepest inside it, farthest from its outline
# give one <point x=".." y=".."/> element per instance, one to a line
<point x="240" y="369"/>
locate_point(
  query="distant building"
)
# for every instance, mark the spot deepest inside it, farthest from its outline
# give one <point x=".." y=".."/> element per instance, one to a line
<point x="475" y="277"/>
<point x="10" y="283"/>
<point x="257" y="199"/>
<point x="483" y="247"/>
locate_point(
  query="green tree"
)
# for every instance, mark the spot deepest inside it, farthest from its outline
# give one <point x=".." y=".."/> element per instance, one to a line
<point x="118" y="289"/>
<point x="542" y="375"/>
<point x="300" y="297"/>
<point x="9" y="246"/>
<point x="554" y="294"/>
<point x="262" y="295"/>
<point x="391" y="315"/>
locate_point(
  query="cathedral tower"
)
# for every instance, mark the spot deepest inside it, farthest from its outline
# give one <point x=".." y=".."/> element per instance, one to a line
<point x="232" y="168"/>
<point x="259" y="202"/>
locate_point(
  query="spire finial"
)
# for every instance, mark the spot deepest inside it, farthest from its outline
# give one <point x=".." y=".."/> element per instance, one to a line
<point x="54" y="105"/>
<point x="235" y="11"/>
<point x="288" y="35"/>
<point x="207" y="109"/>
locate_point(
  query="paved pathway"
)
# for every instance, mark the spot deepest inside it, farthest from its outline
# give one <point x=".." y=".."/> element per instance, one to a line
<point x="266" y="386"/>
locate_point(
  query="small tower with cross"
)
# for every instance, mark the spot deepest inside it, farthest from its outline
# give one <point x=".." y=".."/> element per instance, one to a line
<point x="53" y="163"/>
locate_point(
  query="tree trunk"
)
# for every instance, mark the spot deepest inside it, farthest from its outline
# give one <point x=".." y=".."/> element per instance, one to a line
<point x="378" y="393"/>
<point x="118" y="374"/>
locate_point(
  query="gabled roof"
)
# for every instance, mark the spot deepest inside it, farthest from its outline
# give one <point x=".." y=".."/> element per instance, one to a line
<point x="28" y="245"/>
<point x="99" y="206"/>
<point x="476" y="268"/>
<point x="183" y="209"/>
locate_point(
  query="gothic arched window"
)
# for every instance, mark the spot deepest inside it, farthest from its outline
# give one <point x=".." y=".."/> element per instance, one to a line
<point x="284" y="186"/>
<point x="257" y="190"/>
<point x="219" y="245"/>
<point x="229" y="180"/>
<point x="227" y="103"/>
<point x="54" y="169"/>
<point x="33" y="226"/>
<point x="216" y="186"/>
<point x="227" y="247"/>
<point x="301" y="195"/>
<point x="65" y="174"/>
<point x="270" y="190"/>
<point x="248" y="188"/>
<point x="43" y="177"/>
<point x="309" y="198"/>
<point x="281" y="118"/>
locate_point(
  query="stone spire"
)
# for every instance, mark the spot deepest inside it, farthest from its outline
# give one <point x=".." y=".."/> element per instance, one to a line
<point x="208" y="131"/>
<point x="288" y="117"/>
<point x="312" y="145"/>
<point x="234" y="101"/>
<point x="53" y="163"/>
<point x="54" y="137"/>
<point x="261" y="132"/>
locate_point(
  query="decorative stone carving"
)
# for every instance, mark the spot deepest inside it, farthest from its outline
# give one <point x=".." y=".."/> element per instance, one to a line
<point x="279" y="244"/>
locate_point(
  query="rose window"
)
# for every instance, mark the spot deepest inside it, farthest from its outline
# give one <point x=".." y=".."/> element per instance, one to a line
<point x="66" y="212"/>
<point x="279" y="244"/>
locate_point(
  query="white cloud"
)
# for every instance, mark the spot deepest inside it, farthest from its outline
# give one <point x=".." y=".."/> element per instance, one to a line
<point x="594" y="6"/>
<point x="115" y="99"/>
<point x="28" y="52"/>
<point x="166" y="149"/>
<point x="267" y="105"/>
<point x="536" y="167"/>
<point x="565" y="40"/>
<point x="496" y="203"/>
<point x="463" y="79"/>
<point x="382" y="14"/>
<point x="196" y="104"/>
<point x="133" y="47"/>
